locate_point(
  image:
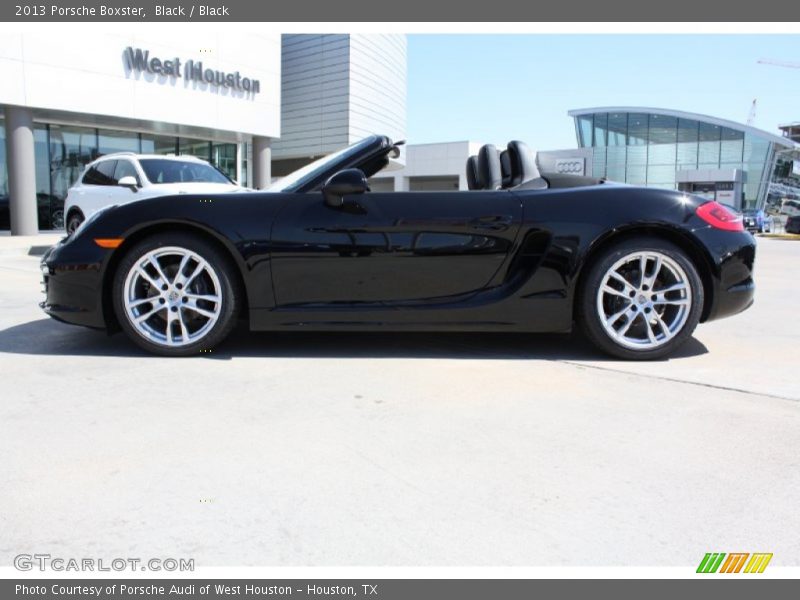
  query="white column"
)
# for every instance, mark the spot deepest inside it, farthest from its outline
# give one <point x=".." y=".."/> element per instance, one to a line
<point x="21" y="171"/>
<point x="262" y="162"/>
<point x="241" y="148"/>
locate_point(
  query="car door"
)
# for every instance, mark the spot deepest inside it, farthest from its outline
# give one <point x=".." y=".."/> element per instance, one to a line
<point x="393" y="247"/>
<point x="118" y="194"/>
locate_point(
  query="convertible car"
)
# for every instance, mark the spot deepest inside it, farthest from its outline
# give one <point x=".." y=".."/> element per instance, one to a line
<point x="521" y="251"/>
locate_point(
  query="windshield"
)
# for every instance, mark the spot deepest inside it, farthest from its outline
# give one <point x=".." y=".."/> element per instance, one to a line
<point x="297" y="178"/>
<point x="162" y="170"/>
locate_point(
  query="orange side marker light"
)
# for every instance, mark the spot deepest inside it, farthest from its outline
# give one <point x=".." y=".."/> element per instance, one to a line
<point x="109" y="242"/>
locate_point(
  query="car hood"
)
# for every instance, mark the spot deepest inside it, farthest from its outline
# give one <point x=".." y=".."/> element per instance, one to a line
<point x="197" y="187"/>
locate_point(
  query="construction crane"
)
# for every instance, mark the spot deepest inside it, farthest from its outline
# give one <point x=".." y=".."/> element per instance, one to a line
<point x="779" y="63"/>
<point x="751" y="118"/>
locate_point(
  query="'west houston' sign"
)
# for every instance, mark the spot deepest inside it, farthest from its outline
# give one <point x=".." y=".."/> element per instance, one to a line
<point x="193" y="70"/>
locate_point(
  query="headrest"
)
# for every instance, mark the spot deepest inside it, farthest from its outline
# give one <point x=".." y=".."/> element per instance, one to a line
<point x="505" y="168"/>
<point x="473" y="175"/>
<point x="491" y="174"/>
<point x="523" y="165"/>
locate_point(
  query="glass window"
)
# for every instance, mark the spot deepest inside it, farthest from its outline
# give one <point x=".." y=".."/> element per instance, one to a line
<point x="708" y="146"/>
<point x="109" y="141"/>
<point x="758" y="156"/>
<point x="106" y="170"/>
<point x="308" y="173"/>
<point x="661" y="137"/>
<point x="125" y="168"/>
<point x="101" y="173"/>
<point x="662" y="129"/>
<point x="636" y="174"/>
<point x="198" y="148"/>
<point x="686" y="152"/>
<point x="159" y="144"/>
<point x="637" y="155"/>
<point x="600" y="128"/>
<point x="661" y="176"/>
<point x="687" y="131"/>
<point x="708" y="132"/>
<point x="71" y="149"/>
<point x="223" y="156"/>
<point x="615" y="162"/>
<point x="618" y="129"/>
<point x="637" y="129"/>
<point x="51" y="207"/>
<point x="755" y="150"/>
<point x="731" y="146"/>
<point x="585" y="131"/>
<point x="160" y="170"/>
<point x="92" y="177"/>
<point x="599" y="162"/>
<point x="662" y="154"/>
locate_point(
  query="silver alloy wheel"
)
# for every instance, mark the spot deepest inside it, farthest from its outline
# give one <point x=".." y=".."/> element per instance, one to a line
<point x="172" y="296"/>
<point x="644" y="300"/>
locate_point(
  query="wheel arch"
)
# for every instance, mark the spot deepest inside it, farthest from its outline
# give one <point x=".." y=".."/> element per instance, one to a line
<point x="148" y="230"/>
<point x="696" y="253"/>
<point x="72" y="210"/>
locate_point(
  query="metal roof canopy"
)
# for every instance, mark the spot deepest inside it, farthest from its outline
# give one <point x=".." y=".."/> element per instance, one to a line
<point x="776" y="139"/>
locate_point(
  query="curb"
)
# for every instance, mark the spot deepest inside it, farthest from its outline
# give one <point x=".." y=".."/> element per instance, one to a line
<point x="38" y="250"/>
<point x="25" y="251"/>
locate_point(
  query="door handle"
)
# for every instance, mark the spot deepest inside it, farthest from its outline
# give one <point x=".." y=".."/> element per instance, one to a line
<point x="492" y="222"/>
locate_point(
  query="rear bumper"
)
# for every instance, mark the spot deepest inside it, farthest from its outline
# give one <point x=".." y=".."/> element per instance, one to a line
<point x="732" y="285"/>
<point x="733" y="300"/>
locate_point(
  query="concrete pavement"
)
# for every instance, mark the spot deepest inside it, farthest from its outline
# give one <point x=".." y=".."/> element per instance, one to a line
<point x="345" y="449"/>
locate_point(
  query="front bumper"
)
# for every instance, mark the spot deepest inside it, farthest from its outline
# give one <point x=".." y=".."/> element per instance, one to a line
<point x="72" y="288"/>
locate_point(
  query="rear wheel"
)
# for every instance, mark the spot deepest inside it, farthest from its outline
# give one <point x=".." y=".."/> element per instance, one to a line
<point x="641" y="299"/>
<point x="174" y="295"/>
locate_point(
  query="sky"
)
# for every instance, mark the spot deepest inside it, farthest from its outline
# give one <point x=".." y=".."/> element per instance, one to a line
<point x="495" y="88"/>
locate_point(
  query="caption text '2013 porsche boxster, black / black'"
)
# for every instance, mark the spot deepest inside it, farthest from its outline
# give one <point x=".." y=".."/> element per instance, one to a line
<point x="636" y="268"/>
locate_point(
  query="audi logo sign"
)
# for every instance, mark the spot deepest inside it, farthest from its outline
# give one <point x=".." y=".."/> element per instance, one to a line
<point x="571" y="166"/>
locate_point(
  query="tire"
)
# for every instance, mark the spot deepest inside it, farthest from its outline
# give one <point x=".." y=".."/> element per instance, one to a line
<point x="643" y="318"/>
<point x="74" y="221"/>
<point x="191" y="309"/>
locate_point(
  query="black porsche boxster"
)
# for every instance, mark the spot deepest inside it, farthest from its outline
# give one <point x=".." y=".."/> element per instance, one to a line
<point x="636" y="268"/>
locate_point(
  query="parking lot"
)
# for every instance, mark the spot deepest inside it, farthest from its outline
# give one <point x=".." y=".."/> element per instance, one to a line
<point x="402" y="449"/>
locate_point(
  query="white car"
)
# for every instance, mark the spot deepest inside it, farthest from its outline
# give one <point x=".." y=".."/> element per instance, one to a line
<point x="125" y="177"/>
<point x="791" y="208"/>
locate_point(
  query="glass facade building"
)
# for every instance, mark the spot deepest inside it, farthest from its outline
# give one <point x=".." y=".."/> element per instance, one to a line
<point x="62" y="152"/>
<point x="677" y="150"/>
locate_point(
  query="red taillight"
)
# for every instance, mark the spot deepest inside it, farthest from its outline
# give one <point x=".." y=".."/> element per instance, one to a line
<point x="720" y="217"/>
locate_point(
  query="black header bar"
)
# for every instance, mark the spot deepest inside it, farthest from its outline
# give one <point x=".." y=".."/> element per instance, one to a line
<point x="443" y="11"/>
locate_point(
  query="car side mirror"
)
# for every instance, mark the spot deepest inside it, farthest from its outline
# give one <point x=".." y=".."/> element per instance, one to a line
<point x="344" y="183"/>
<point x="129" y="181"/>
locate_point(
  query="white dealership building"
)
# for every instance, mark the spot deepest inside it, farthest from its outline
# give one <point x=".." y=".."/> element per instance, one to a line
<point x="253" y="104"/>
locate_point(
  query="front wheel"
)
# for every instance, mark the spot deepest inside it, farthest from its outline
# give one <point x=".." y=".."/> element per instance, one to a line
<point x="641" y="299"/>
<point x="175" y="295"/>
<point x="73" y="222"/>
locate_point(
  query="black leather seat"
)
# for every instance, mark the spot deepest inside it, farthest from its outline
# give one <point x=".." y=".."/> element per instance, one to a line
<point x="491" y="173"/>
<point x="523" y="164"/>
<point x="473" y="174"/>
